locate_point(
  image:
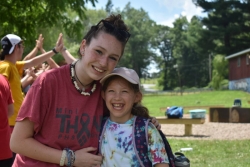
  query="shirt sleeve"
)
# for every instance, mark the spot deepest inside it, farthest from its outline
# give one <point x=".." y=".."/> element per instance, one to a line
<point x="19" y="66"/>
<point x="34" y="106"/>
<point x="156" y="148"/>
<point x="5" y="70"/>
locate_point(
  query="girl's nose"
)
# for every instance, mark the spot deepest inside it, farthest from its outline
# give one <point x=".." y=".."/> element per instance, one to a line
<point x="103" y="61"/>
<point x="117" y="95"/>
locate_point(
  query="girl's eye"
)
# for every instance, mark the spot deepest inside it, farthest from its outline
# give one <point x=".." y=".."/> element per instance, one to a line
<point x="99" y="52"/>
<point x="113" y="58"/>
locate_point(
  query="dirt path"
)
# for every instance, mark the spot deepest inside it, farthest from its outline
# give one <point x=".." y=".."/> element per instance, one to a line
<point x="209" y="131"/>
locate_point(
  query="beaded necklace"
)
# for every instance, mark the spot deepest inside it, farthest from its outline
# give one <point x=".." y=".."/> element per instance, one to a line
<point x="73" y="79"/>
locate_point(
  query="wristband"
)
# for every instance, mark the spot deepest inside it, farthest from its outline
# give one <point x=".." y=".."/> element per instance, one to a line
<point x="64" y="48"/>
<point x="72" y="161"/>
<point x="62" y="161"/>
<point x="54" y="50"/>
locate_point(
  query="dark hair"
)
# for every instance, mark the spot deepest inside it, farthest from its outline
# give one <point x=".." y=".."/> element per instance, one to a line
<point x="138" y="109"/>
<point x="19" y="44"/>
<point x="114" y="20"/>
<point x="5" y="52"/>
<point x="2" y="55"/>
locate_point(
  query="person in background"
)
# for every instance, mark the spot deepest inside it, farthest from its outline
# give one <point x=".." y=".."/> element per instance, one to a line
<point x="12" y="68"/>
<point x="30" y="74"/>
<point x="6" y="110"/>
<point x="39" y="47"/>
<point x="121" y="92"/>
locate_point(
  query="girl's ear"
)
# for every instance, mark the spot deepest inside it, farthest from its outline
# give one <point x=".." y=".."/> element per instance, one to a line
<point x="82" y="47"/>
<point x="138" y="97"/>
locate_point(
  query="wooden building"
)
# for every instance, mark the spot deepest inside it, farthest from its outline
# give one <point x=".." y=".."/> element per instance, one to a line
<point x="239" y="70"/>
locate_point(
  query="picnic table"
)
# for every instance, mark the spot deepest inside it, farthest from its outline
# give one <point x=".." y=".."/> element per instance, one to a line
<point x="188" y="122"/>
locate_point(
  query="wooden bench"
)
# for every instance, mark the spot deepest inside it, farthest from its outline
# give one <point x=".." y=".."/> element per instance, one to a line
<point x="186" y="121"/>
<point x="207" y="107"/>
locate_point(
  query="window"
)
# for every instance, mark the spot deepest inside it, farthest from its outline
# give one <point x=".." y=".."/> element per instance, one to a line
<point x="238" y="62"/>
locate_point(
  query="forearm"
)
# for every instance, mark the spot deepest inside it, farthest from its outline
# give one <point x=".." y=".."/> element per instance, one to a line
<point x="50" y="61"/>
<point x="38" y="59"/>
<point x="33" y="149"/>
<point x="22" y="142"/>
<point x="31" y="54"/>
<point x="26" y="80"/>
<point x="67" y="56"/>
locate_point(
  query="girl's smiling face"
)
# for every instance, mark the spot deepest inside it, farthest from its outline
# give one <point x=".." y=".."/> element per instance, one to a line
<point x="100" y="57"/>
<point x="120" y="98"/>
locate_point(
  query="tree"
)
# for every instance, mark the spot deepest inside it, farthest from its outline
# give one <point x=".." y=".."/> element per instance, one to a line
<point x="138" y="54"/>
<point x="182" y="62"/>
<point x="109" y="6"/>
<point x="227" y="25"/>
<point x="72" y="42"/>
<point x="220" y="71"/>
<point x="190" y="58"/>
<point x="24" y="17"/>
<point x="165" y="60"/>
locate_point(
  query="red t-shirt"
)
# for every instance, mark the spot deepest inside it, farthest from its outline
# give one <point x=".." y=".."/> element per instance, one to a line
<point x="5" y="100"/>
<point x="62" y="116"/>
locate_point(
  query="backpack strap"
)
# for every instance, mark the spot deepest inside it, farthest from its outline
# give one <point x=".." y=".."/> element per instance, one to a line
<point x="140" y="141"/>
<point x="168" y="149"/>
<point x="102" y="130"/>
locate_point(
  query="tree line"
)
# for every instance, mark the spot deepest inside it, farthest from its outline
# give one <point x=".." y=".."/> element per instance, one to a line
<point x="189" y="54"/>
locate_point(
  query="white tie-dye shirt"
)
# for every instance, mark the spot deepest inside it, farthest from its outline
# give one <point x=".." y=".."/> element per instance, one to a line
<point x="117" y="145"/>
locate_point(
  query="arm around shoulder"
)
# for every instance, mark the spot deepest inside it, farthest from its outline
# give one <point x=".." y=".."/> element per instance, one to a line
<point x="157" y="145"/>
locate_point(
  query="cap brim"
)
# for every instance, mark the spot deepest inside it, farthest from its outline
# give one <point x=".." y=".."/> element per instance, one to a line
<point x="109" y="75"/>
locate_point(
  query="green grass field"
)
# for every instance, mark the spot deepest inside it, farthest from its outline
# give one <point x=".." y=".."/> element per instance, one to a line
<point x="225" y="98"/>
<point x="206" y="153"/>
<point x="215" y="153"/>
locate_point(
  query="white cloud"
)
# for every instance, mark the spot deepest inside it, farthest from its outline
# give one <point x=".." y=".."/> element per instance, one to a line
<point x="179" y="8"/>
<point x="168" y="22"/>
<point x="190" y="9"/>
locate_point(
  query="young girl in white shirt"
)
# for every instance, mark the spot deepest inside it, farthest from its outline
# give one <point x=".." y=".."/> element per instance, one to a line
<point x="121" y="92"/>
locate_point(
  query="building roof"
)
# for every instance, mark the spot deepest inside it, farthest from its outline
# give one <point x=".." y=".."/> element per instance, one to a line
<point x="237" y="54"/>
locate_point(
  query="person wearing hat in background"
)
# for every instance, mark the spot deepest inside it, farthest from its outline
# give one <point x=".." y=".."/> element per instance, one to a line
<point x="122" y="95"/>
<point x="12" y="68"/>
<point x="6" y="110"/>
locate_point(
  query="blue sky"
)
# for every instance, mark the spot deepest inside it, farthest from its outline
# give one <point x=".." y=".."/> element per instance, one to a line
<point x="161" y="11"/>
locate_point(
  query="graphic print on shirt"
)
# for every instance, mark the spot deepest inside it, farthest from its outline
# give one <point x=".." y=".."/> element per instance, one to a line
<point x="76" y="126"/>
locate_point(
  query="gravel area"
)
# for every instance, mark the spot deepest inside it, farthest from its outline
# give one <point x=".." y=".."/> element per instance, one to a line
<point x="209" y="130"/>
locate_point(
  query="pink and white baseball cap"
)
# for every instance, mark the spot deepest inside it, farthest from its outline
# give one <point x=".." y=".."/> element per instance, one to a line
<point x="129" y="74"/>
